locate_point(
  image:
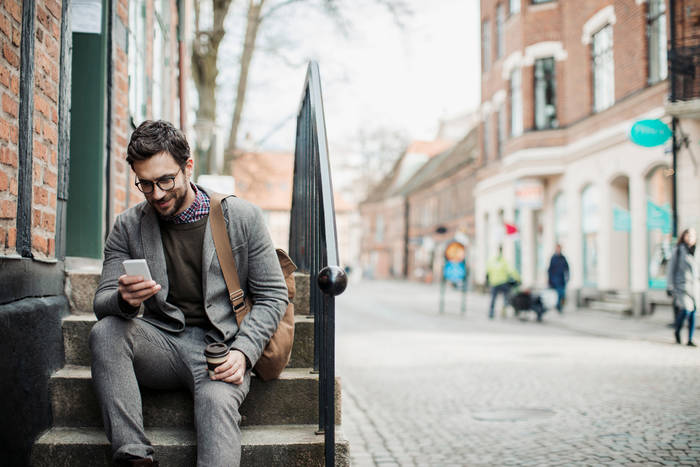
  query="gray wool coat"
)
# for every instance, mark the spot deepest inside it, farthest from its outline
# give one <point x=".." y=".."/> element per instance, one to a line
<point x="136" y="234"/>
<point x="683" y="278"/>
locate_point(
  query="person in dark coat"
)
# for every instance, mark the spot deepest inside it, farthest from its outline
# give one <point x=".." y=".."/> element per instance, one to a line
<point x="558" y="276"/>
<point x="684" y="283"/>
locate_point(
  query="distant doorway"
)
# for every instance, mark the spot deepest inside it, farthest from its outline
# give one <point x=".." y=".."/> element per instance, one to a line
<point x="620" y="235"/>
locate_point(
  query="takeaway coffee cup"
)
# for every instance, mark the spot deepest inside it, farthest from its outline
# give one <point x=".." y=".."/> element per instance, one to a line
<point x="215" y="354"/>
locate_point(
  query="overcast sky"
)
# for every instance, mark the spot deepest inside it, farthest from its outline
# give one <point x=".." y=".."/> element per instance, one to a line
<point x="377" y="74"/>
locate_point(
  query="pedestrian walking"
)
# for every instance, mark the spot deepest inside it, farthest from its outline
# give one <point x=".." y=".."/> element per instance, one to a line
<point x="558" y="273"/>
<point x="501" y="276"/>
<point x="185" y="306"/>
<point x="684" y="283"/>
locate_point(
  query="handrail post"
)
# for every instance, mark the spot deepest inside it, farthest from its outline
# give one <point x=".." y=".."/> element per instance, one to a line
<point x="313" y="244"/>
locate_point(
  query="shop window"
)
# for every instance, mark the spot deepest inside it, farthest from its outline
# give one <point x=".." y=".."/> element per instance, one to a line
<point x="603" y="69"/>
<point x="658" y="226"/>
<point x="516" y="103"/>
<point x="545" y="94"/>
<point x="486" y="46"/>
<point x="500" y="37"/>
<point x="656" y="33"/>
<point x="590" y="223"/>
<point x="561" y="226"/>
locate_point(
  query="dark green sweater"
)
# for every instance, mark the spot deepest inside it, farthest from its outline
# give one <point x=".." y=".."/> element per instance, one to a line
<point x="183" y="245"/>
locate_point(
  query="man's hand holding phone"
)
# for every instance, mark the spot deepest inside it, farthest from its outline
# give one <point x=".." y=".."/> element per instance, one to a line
<point x="136" y="286"/>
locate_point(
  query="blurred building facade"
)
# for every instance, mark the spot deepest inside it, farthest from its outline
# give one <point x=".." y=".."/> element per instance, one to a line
<point x="562" y="84"/>
<point x="265" y="179"/>
<point x="75" y="79"/>
<point x="384" y="214"/>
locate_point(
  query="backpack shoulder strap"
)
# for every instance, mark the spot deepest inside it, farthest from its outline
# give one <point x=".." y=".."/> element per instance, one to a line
<point x="225" y="255"/>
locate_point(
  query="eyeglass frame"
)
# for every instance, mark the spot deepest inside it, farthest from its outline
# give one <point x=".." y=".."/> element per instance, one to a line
<point x="165" y="178"/>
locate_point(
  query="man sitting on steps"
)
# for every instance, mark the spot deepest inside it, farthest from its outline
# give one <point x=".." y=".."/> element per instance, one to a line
<point x="186" y="305"/>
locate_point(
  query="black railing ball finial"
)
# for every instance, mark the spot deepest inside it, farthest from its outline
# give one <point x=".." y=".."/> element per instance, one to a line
<point x="332" y="280"/>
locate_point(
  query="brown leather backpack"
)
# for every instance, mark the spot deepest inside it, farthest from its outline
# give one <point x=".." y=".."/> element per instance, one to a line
<point x="276" y="354"/>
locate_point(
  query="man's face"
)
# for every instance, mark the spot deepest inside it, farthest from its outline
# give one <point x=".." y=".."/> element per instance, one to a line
<point x="161" y="167"/>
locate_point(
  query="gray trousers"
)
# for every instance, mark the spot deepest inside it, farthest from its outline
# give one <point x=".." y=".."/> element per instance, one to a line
<point x="126" y="353"/>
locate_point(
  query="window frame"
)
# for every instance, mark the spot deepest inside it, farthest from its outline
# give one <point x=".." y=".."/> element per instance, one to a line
<point x="500" y="30"/>
<point x="656" y="29"/>
<point x="486" y="45"/>
<point x="603" y="69"/>
<point x="541" y="82"/>
<point x="516" y="102"/>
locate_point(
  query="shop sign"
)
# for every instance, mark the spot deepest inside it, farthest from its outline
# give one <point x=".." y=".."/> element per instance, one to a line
<point x="529" y="193"/>
<point x="658" y="217"/>
<point x="622" y="221"/>
<point x="650" y="133"/>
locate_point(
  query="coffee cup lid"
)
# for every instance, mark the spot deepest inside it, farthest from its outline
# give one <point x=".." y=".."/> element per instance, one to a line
<point x="217" y="349"/>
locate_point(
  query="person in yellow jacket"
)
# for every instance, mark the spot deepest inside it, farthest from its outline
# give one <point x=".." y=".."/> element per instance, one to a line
<point x="501" y="276"/>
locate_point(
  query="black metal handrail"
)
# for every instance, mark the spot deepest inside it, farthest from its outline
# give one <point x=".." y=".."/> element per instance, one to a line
<point x="313" y="243"/>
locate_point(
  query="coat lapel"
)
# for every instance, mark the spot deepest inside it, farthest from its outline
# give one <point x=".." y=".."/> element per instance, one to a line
<point x="208" y="252"/>
<point x="153" y="251"/>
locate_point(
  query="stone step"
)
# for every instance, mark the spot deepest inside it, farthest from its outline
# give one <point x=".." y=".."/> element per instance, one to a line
<point x="83" y="276"/>
<point x="264" y="446"/>
<point x="614" y="307"/>
<point x="290" y="399"/>
<point x="76" y="329"/>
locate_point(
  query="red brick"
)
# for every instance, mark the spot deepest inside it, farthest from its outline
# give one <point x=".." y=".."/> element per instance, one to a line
<point x="8" y="156"/>
<point x="52" y="202"/>
<point x="36" y="217"/>
<point x="14" y="7"/>
<point x="13" y="186"/>
<point x="12" y="237"/>
<point x="14" y="85"/>
<point x="40" y="150"/>
<point x="8" y="209"/>
<point x="10" y="55"/>
<point x="39" y="243"/>
<point x="4" y="76"/>
<point x="16" y="37"/>
<point x="48" y="222"/>
<point x="10" y="106"/>
<point x="3" y="238"/>
<point x="41" y="196"/>
<point x="5" y="26"/>
<point x="50" y="178"/>
<point x="54" y="158"/>
<point x="55" y="8"/>
<point x="51" y="247"/>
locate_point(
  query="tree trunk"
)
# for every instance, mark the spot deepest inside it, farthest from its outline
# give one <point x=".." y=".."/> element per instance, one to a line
<point x="251" y="33"/>
<point x="205" y="52"/>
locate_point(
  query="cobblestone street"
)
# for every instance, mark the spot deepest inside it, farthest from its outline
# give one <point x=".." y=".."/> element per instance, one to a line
<point x="420" y="388"/>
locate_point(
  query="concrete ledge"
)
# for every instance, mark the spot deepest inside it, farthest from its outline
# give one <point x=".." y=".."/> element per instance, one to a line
<point x="263" y="446"/>
<point x="76" y="330"/>
<point x="291" y="399"/>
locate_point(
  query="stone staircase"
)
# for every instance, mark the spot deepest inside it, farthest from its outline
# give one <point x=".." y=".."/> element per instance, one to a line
<point x="279" y="418"/>
<point x="613" y="301"/>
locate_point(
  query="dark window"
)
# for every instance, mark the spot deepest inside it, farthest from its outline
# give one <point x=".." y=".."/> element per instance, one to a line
<point x="486" y="45"/>
<point x="513" y="6"/>
<point x="603" y="69"/>
<point x="656" y="33"/>
<point x="545" y="94"/>
<point x="500" y="40"/>
<point x="535" y="2"/>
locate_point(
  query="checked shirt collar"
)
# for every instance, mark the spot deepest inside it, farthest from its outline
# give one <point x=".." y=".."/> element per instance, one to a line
<point x="197" y="210"/>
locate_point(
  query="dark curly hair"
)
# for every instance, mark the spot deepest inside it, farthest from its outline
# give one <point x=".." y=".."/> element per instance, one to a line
<point x="155" y="136"/>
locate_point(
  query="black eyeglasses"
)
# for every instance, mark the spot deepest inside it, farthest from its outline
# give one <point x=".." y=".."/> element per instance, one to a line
<point x="166" y="183"/>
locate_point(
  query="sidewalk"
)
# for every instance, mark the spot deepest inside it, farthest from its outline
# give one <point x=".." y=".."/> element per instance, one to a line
<point x="653" y="328"/>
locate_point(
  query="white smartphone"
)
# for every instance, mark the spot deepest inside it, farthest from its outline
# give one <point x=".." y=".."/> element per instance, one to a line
<point x="137" y="267"/>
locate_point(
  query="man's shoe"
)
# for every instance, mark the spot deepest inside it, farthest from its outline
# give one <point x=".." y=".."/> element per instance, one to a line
<point x="678" y="337"/>
<point x="690" y="344"/>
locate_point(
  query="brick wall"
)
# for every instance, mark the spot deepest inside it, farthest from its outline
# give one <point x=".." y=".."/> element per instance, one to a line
<point x="562" y="21"/>
<point x="10" y="32"/>
<point x="45" y="138"/>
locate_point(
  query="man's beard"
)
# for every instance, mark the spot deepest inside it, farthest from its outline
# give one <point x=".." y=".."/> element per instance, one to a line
<point x="179" y="200"/>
